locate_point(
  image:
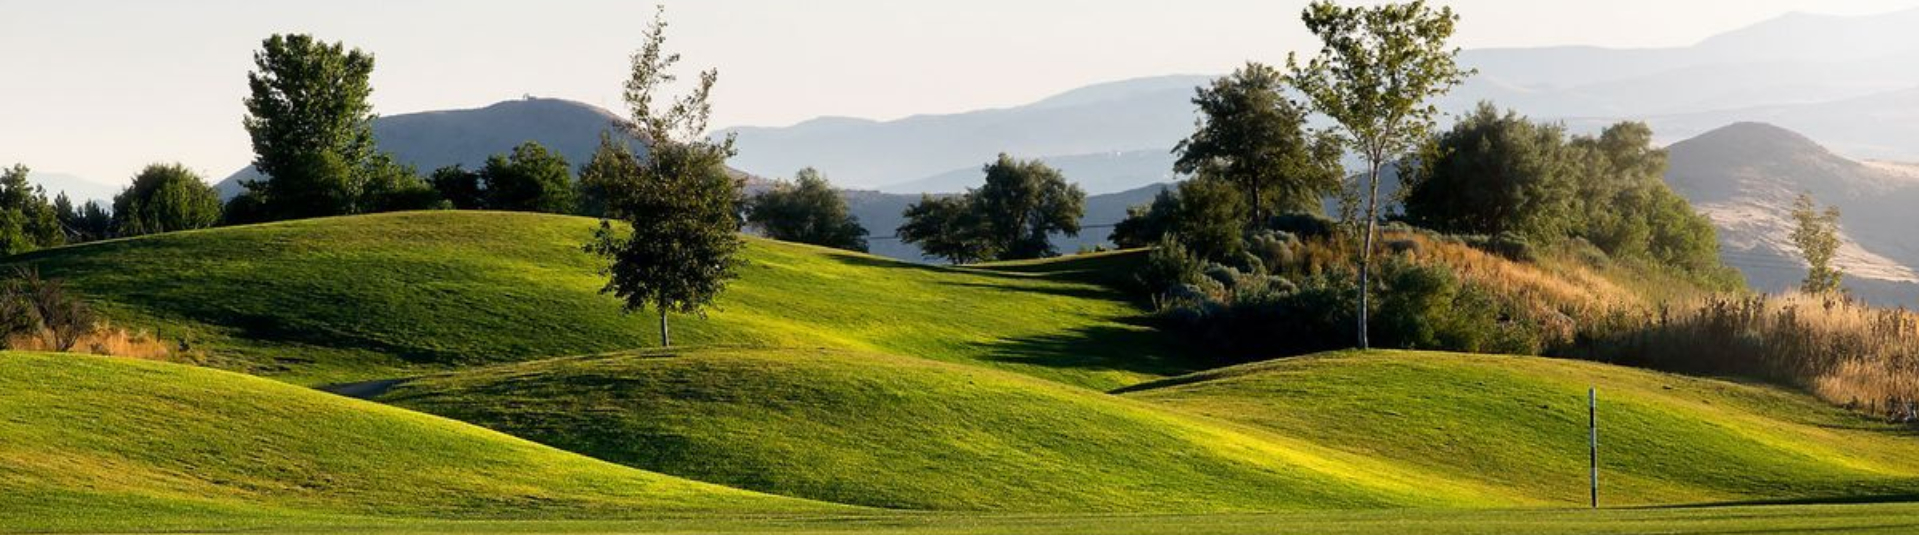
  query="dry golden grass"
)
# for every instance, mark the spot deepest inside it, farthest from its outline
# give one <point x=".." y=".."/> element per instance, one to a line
<point x="107" y="340"/>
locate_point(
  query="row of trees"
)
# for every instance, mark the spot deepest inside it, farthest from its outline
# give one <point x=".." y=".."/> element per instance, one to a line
<point x="161" y="198"/>
<point x="1501" y="175"/>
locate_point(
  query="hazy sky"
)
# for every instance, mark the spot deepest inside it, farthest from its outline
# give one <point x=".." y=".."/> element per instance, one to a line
<point x="100" y="88"/>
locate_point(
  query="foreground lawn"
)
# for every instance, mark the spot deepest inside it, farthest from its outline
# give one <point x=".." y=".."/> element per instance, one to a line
<point x="1820" y="519"/>
<point x="95" y="441"/>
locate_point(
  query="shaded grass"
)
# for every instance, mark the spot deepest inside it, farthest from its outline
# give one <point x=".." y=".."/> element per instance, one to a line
<point x="908" y="433"/>
<point x="97" y="441"/>
<point x="369" y="297"/>
<point x="1519" y="423"/>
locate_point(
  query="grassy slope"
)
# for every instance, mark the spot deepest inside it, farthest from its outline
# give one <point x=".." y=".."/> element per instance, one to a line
<point x="367" y="297"/>
<point x="900" y="432"/>
<point x="1520" y="422"/>
<point x="96" y="440"/>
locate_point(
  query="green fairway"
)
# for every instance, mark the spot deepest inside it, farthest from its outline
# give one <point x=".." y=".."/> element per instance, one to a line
<point x="908" y="433"/>
<point x="1811" y="519"/>
<point x="101" y="441"/>
<point x="1520" y="422"/>
<point x="377" y="296"/>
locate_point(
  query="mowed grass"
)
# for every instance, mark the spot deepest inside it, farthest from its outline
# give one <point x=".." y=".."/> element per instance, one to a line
<point x="370" y="297"/>
<point x="1893" y="518"/>
<point x="104" y="442"/>
<point x="897" y="432"/>
<point x="1520" y="423"/>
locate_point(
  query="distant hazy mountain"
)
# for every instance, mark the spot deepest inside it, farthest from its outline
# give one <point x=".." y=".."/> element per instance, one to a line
<point x="1144" y="114"/>
<point x="78" y="189"/>
<point x="434" y="139"/>
<point x="1847" y="81"/>
<point x="1107" y="172"/>
<point x="1745" y="178"/>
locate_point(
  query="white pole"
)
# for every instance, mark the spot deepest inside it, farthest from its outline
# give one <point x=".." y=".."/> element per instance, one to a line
<point x="1592" y="440"/>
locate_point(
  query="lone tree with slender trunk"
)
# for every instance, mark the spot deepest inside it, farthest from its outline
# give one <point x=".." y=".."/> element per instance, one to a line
<point x="680" y="203"/>
<point x="1375" y="75"/>
<point x="1816" y="234"/>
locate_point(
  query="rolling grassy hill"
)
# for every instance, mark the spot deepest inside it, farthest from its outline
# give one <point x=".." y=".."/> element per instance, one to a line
<point x="1336" y="431"/>
<point x="1519" y="423"/>
<point x="96" y="441"/>
<point x="909" y="433"/>
<point x="377" y="296"/>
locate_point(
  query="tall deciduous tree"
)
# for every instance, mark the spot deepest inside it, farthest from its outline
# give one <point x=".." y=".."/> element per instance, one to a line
<point x="1816" y="233"/>
<point x="311" y="125"/>
<point x="165" y="198"/>
<point x="680" y="203"/>
<point x="1249" y="134"/>
<point x="531" y="179"/>
<point x="1375" y="75"/>
<point x="807" y="210"/>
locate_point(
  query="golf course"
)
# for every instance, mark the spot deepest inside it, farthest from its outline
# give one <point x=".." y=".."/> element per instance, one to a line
<point x="834" y="392"/>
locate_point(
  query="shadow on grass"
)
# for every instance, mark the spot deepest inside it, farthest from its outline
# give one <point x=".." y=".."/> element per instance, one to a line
<point x="1099" y="348"/>
<point x="1893" y="497"/>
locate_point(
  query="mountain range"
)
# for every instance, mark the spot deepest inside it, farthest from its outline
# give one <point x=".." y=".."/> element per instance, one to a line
<point x="1842" y="80"/>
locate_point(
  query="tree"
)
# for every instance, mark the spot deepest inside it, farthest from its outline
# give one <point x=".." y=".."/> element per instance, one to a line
<point x="84" y="223"/>
<point x="459" y="187"/>
<point x="311" y="126"/>
<point x="531" y="179"/>
<point x="1251" y="135"/>
<point x="27" y="220"/>
<point x="680" y="203"/>
<point x="1022" y="203"/>
<point x="611" y="163"/>
<point x="807" y="210"/>
<point x="391" y="186"/>
<point x="1145" y="224"/>
<point x="1816" y="234"/>
<point x="1491" y="174"/>
<point x="165" y="198"/>
<point x="947" y="227"/>
<point x="1375" y="75"/>
<point x="1010" y="217"/>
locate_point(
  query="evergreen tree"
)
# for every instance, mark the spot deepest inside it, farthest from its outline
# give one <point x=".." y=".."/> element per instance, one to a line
<point x="27" y="220"/>
<point x="1493" y="174"/>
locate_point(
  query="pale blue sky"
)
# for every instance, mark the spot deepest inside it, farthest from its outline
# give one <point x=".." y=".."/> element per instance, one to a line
<point x="98" y="88"/>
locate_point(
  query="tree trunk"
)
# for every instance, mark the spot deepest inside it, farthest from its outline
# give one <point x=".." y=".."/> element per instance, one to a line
<point x="666" y="339"/>
<point x="1366" y="249"/>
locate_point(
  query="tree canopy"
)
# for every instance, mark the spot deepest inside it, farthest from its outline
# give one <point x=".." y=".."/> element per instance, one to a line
<point x="680" y="204"/>
<point x="1816" y="233"/>
<point x="165" y="198"/>
<point x="1012" y="216"/>
<point x="807" y="210"/>
<point x="1492" y="174"/>
<point x="27" y="220"/>
<point x="1250" y="135"/>
<point x="530" y="179"/>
